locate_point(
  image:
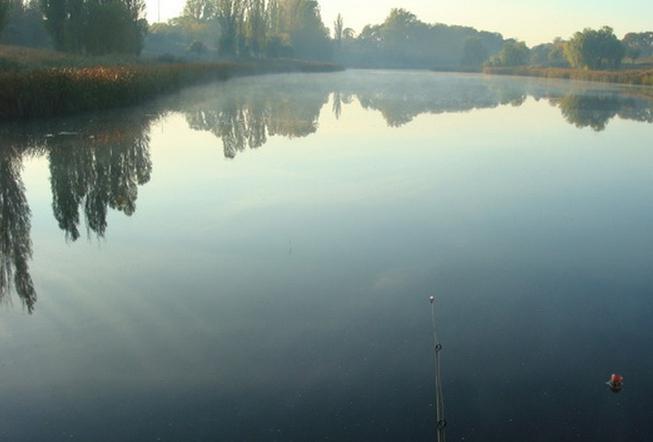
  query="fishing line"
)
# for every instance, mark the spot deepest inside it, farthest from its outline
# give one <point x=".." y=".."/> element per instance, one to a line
<point x="440" y="421"/>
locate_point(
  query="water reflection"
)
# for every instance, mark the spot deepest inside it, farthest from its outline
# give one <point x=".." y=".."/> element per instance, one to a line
<point x="597" y="111"/>
<point x="97" y="163"/>
<point x="93" y="171"/>
<point x="15" y="224"/>
<point x="245" y="117"/>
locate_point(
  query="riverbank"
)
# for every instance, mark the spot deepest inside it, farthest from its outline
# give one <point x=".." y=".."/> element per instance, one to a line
<point x="641" y="77"/>
<point x="46" y="83"/>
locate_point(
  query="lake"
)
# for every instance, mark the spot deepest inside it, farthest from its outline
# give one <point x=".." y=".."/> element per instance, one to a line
<point x="252" y="260"/>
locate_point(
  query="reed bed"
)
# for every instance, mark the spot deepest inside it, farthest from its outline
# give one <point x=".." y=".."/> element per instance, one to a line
<point x="44" y="92"/>
<point x="642" y="77"/>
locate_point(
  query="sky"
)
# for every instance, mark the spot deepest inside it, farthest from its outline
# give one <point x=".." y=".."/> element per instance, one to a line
<point x="534" y="21"/>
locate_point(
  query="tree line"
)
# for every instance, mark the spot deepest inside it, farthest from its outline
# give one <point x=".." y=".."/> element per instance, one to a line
<point x="403" y="40"/>
<point x="594" y="49"/>
<point x="295" y="29"/>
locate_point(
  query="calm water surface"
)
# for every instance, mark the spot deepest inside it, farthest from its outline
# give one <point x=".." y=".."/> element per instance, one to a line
<point x="252" y="260"/>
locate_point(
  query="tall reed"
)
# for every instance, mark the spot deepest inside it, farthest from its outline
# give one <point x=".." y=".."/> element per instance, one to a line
<point x="643" y="77"/>
<point x="56" y="91"/>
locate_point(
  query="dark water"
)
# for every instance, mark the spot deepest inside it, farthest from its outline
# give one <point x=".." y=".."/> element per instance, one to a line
<point x="252" y="261"/>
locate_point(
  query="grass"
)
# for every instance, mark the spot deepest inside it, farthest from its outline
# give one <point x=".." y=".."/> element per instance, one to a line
<point x="40" y="83"/>
<point x="638" y="76"/>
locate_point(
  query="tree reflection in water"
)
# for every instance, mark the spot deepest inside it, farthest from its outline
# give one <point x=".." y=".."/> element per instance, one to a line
<point x="98" y="163"/>
<point x="97" y="167"/>
<point x="15" y="225"/>
<point x="244" y="117"/>
<point x="94" y="171"/>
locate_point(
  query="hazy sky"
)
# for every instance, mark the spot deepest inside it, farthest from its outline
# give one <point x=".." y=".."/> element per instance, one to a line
<point x="534" y="21"/>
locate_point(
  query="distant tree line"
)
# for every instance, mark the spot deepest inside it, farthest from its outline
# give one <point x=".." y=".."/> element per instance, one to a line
<point x="403" y="40"/>
<point x="588" y="49"/>
<point x="294" y="28"/>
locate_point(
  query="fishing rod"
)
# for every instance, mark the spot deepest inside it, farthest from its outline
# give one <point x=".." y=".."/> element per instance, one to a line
<point x="440" y="421"/>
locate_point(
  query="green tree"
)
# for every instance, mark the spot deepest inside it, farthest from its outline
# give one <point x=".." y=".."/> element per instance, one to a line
<point x="593" y="49"/>
<point x="256" y="27"/>
<point x="338" y="30"/>
<point x="229" y="14"/>
<point x="302" y="23"/>
<point x="549" y="54"/>
<point x="23" y="24"/>
<point x="55" y="12"/>
<point x="638" y="44"/>
<point x="200" y="10"/>
<point x="402" y="40"/>
<point x="4" y="14"/>
<point x="117" y="20"/>
<point x="400" y="29"/>
<point x="474" y="53"/>
<point x="513" y="53"/>
<point x="96" y="26"/>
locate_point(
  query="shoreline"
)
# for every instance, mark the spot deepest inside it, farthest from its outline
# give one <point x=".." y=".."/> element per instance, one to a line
<point x="633" y="77"/>
<point x="58" y="91"/>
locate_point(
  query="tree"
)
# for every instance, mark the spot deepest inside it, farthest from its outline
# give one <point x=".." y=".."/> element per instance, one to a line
<point x="55" y="13"/>
<point x="403" y="40"/>
<point x="15" y="225"/>
<point x="23" y="24"/>
<point x="400" y="28"/>
<point x="256" y="27"/>
<point x="96" y="26"/>
<point x="338" y="30"/>
<point x="474" y="53"/>
<point x="513" y="53"/>
<point x="200" y="10"/>
<point x="549" y="54"/>
<point x="593" y="49"/>
<point x="593" y="111"/>
<point x="4" y="14"/>
<point x="638" y="44"/>
<point x="556" y="55"/>
<point x="302" y="23"/>
<point x="229" y="14"/>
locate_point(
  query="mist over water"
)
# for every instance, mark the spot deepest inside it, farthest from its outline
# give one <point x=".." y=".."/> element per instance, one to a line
<point x="252" y="260"/>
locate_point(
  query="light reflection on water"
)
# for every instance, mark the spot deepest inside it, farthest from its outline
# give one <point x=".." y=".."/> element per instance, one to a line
<point x="251" y="261"/>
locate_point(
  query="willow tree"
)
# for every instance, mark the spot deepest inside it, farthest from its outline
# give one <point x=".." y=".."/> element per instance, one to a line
<point x="15" y="226"/>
